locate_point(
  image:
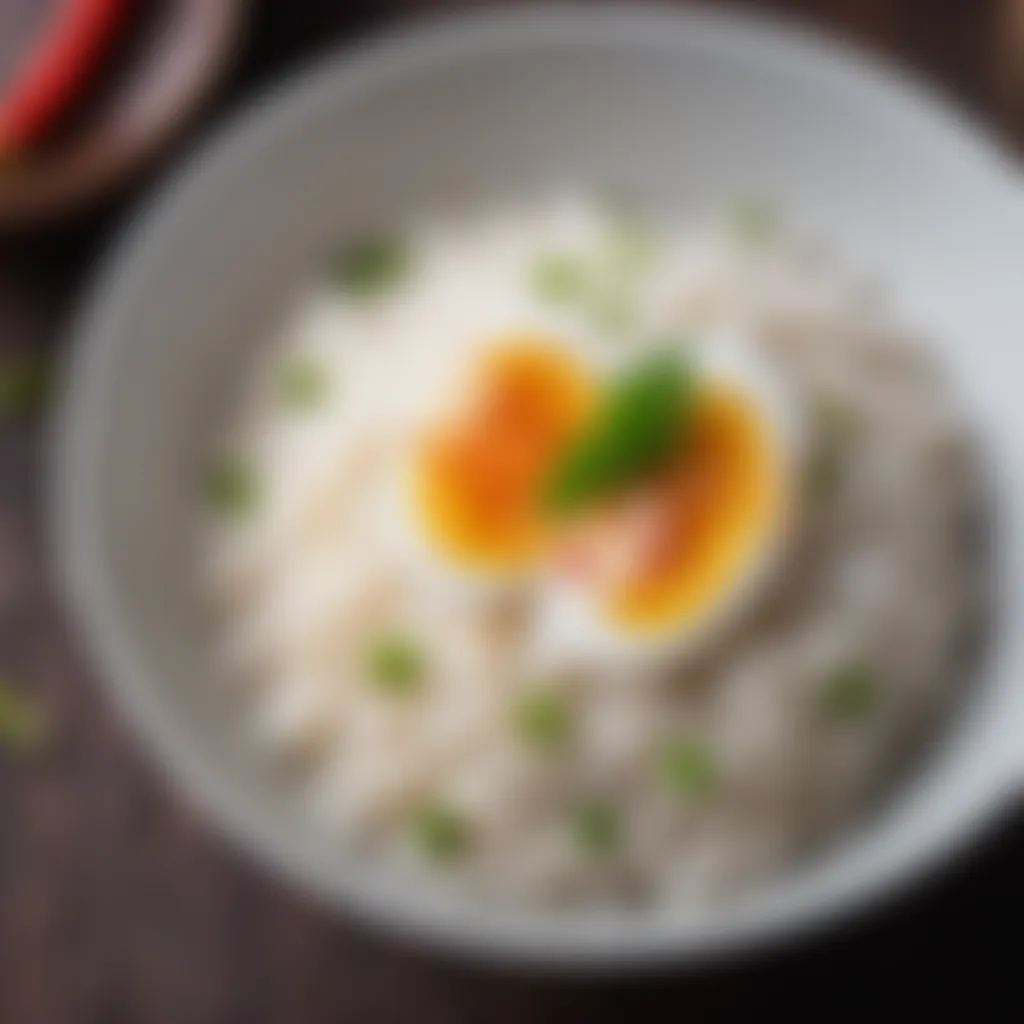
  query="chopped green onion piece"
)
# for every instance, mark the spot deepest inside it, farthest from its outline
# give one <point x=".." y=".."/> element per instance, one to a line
<point x="441" y="833"/>
<point x="25" y="384"/>
<point x="543" y="720"/>
<point x="22" y="723"/>
<point x="647" y="414"/>
<point x="852" y="692"/>
<point x="632" y="244"/>
<point x="835" y="428"/>
<point x="834" y="419"/>
<point x="688" y="768"/>
<point x="825" y="471"/>
<point x="753" y="220"/>
<point x="231" y="487"/>
<point x="371" y="267"/>
<point x="620" y="200"/>
<point x="303" y="384"/>
<point x="613" y="310"/>
<point x="560" y="278"/>
<point x="596" y="828"/>
<point x="395" y="664"/>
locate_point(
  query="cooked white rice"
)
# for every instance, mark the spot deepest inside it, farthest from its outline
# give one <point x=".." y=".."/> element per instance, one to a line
<point x="875" y="576"/>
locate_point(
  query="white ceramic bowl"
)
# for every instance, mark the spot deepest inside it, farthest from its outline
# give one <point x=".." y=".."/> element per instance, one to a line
<point x="687" y="108"/>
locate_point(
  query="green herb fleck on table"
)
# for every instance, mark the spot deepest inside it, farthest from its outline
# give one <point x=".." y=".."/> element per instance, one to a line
<point x="395" y="664"/>
<point x="543" y="720"/>
<point x="753" y="220"/>
<point x="441" y="833"/>
<point x="231" y="487"/>
<point x="560" y="279"/>
<point x="371" y="267"/>
<point x="852" y="693"/>
<point x="647" y="414"/>
<point x="688" y="768"/>
<point x="23" y="726"/>
<point x="596" y="828"/>
<point x="25" y="384"/>
<point x="303" y="384"/>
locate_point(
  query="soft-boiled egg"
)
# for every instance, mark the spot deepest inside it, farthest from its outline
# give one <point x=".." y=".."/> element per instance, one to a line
<point x="659" y="567"/>
<point x="647" y="569"/>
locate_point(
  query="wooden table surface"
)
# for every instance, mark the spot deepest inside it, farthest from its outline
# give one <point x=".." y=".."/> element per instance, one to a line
<point x="118" y="904"/>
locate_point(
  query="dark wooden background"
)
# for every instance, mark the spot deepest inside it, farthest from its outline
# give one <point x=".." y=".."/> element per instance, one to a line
<point x="117" y="904"/>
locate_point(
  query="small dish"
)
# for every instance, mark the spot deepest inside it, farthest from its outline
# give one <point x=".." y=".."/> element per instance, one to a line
<point x="171" y="60"/>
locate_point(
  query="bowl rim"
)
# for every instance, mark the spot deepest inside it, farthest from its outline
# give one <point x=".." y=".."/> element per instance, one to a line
<point x="130" y="682"/>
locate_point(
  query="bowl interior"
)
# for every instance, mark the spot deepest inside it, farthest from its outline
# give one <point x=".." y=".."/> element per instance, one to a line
<point x="686" y="110"/>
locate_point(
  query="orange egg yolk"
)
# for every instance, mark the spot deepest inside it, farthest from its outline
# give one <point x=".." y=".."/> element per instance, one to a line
<point x="478" y="475"/>
<point x="659" y="555"/>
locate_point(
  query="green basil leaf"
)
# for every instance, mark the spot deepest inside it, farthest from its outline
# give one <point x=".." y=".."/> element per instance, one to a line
<point x="646" y="416"/>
